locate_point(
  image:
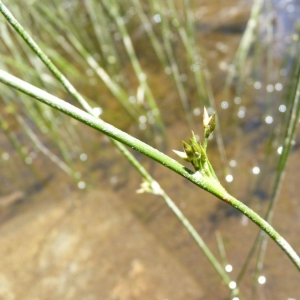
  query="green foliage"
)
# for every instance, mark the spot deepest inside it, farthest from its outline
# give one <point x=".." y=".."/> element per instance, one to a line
<point x="101" y="40"/>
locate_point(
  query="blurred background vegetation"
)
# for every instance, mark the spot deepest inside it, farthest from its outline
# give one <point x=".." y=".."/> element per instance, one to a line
<point x="148" y="67"/>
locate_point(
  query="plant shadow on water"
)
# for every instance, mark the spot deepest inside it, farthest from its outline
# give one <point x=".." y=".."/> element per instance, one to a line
<point x="59" y="234"/>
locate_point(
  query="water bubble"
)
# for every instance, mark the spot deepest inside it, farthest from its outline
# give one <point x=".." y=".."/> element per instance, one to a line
<point x="257" y="85"/>
<point x="168" y="70"/>
<point x="223" y="65"/>
<point x="283" y="72"/>
<point x="131" y="11"/>
<point x="261" y="279"/>
<point x="132" y="99"/>
<point x="279" y="150"/>
<point x="282" y="108"/>
<point x="151" y="120"/>
<point x="231" y="68"/>
<point x="142" y="126"/>
<point x="269" y="119"/>
<point x="237" y="100"/>
<point x="149" y="114"/>
<point x="114" y="180"/>
<point x="210" y="110"/>
<point x="229" y="178"/>
<point x="118" y="78"/>
<point x="81" y="185"/>
<point x="157" y="18"/>
<point x="256" y="170"/>
<point x="197" y="111"/>
<point x="47" y="114"/>
<point x="270" y="88"/>
<point x="278" y="86"/>
<point x="28" y="160"/>
<point x="83" y="157"/>
<point x="199" y="13"/>
<point x="155" y="111"/>
<point x="5" y="156"/>
<point x="222" y="47"/>
<point x="97" y="111"/>
<point x="290" y="8"/>
<point x="232" y="163"/>
<point x="232" y="285"/>
<point x="228" y="268"/>
<point x="195" y="67"/>
<point x="224" y="104"/>
<point x="142" y="119"/>
<point x="183" y="77"/>
<point x="242" y="112"/>
<point x="97" y="56"/>
<point x="295" y="37"/>
<point x="111" y="59"/>
<point x="89" y="72"/>
<point x="142" y="76"/>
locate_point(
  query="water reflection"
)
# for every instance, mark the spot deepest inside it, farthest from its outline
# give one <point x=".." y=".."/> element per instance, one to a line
<point x="229" y="178"/>
<point x="261" y="279"/>
<point x="244" y="135"/>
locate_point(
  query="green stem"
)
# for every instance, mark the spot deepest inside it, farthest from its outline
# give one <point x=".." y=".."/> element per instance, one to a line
<point x="155" y="188"/>
<point x="291" y="129"/>
<point x="44" y="58"/>
<point x="246" y="42"/>
<point x="207" y="183"/>
<point x="198" y="240"/>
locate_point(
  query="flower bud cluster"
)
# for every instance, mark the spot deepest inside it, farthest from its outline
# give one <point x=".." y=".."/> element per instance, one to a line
<point x="194" y="152"/>
<point x="209" y="123"/>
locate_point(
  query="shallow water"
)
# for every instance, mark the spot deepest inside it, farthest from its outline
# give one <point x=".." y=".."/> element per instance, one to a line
<point x="45" y="206"/>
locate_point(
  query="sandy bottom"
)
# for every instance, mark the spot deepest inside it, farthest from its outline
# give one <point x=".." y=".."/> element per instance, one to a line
<point x="89" y="248"/>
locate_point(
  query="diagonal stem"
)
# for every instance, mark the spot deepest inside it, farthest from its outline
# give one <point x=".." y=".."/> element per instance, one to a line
<point x="207" y="183"/>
